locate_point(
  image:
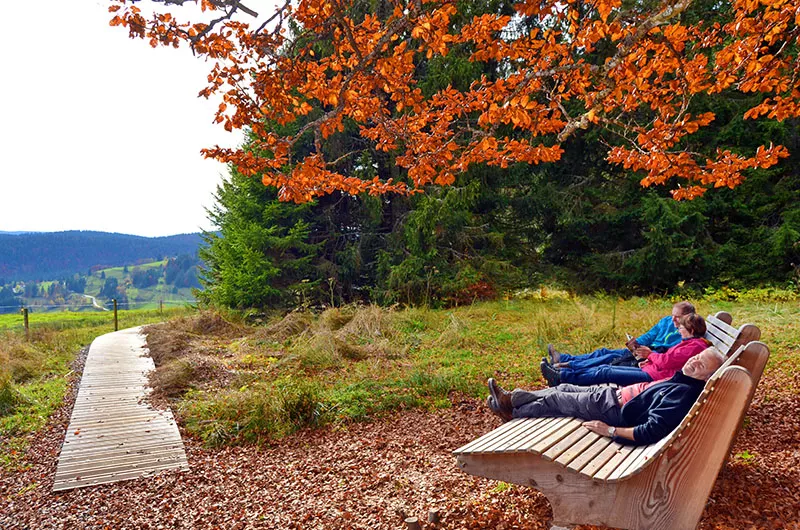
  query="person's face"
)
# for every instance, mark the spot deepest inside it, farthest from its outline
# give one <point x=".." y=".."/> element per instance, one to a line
<point x="685" y="333"/>
<point x="701" y="366"/>
<point x="676" y="316"/>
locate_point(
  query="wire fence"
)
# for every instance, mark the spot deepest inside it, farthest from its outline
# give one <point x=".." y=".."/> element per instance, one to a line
<point x="76" y="307"/>
<point x="7" y="320"/>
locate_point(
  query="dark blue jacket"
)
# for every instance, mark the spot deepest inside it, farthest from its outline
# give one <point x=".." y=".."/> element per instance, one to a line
<point x="654" y="413"/>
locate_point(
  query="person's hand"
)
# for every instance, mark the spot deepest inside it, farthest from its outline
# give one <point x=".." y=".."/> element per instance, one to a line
<point x="642" y="352"/>
<point x="597" y="426"/>
<point x="632" y="344"/>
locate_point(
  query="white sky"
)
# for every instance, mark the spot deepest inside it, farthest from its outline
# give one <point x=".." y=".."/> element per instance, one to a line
<point x="101" y="132"/>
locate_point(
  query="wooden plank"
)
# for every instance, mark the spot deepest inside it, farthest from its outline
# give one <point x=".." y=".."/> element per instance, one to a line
<point x="602" y="459"/>
<point x="488" y="436"/>
<point x="648" y="454"/>
<point x="519" y="427"/>
<point x="502" y="444"/>
<point x="724" y="326"/>
<point x="590" y="453"/>
<point x="721" y="340"/>
<point x="578" y="448"/>
<point x="625" y="464"/>
<point x="113" y="434"/>
<point x="543" y="426"/>
<point x="555" y="437"/>
<point x="568" y="442"/>
<point x="551" y="427"/>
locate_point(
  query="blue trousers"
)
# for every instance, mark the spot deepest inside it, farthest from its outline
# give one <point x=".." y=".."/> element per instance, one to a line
<point x="620" y="375"/>
<point x="595" y="358"/>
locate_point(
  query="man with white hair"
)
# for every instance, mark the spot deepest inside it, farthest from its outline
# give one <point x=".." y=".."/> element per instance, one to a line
<point x="638" y="414"/>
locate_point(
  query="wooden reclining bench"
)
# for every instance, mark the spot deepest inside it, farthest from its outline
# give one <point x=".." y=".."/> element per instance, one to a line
<point x="589" y="479"/>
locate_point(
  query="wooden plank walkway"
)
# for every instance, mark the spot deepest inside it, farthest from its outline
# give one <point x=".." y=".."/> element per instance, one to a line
<point x="113" y="434"/>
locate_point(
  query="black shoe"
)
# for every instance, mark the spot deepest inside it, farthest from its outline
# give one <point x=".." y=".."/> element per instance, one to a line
<point x="500" y="396"/>
<point x="492" y="404"/>
<point x="554" y="355"/>
<point x="550" y="374"/>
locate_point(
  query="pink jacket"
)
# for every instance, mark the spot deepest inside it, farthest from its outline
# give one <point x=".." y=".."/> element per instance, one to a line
<point x="664" y="365"/>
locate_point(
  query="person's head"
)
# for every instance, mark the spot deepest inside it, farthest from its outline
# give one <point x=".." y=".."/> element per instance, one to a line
<point x="680" y="309"/>
<point x="705" y="363"/>
<point x="692" y="325"/>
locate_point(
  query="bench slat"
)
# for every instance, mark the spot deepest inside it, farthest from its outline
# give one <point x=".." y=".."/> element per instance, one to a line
<point x="551" y="427"/>
<point x="600" y="460"/>
<point x="519" y="437"/>
<point x="627" y="463"/>
<point x="724" y="326"/>
<point x="549" y="441"/>
<point x="588" y="455"/>
<point x="715" y="335"/>
<point x="523" y="438"/>
<point x="615" y="461"/>
<point x="488" y="436"/>
<point x="548" y="425"/>
<point x="648" y="453"/>
<point x="529" y="435"/>
<point x="566" y="458"/>
<point x="507" y="438"/>
<point x="721" y="346"/>
<point x="567" y="443"/>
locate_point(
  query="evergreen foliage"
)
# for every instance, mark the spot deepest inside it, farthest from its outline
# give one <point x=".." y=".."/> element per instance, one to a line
<point x="580" y="221"/>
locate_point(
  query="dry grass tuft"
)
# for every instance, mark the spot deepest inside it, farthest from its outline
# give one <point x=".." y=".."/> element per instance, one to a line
<point x="454" y="333"/>
<point x="336" y="318"/>
<point x="19" y="359"/>
<point x="289" y="326"/>
<point x="371" y="322"/>
<point x="191" y="371"/>
<point x="209" y="323"/>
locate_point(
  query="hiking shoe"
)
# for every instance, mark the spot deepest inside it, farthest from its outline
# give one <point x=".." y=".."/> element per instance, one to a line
<point x="554" y="355"/>
<point x="492" y="404"/>
<point x="550" y="374"/>
<point x="501" y="397"/>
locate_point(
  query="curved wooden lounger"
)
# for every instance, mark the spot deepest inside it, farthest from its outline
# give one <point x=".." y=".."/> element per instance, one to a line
<point x="589" y="479"/>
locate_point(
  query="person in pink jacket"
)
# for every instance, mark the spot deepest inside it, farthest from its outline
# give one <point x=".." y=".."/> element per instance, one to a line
<point x="655" y="366"/>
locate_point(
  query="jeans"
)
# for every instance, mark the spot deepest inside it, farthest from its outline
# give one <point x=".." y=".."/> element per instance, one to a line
<point x="595" y="358"/>
<point x="586" y="403"/>
<point x="621" y="375"/>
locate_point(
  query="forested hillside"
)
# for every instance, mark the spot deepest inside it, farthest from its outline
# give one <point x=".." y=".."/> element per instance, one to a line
<point x="49" y="255"/>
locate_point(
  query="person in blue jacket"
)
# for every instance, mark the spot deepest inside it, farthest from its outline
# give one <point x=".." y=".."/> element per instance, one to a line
<point x="641" y="416"/>
<point x="660" y="338"/>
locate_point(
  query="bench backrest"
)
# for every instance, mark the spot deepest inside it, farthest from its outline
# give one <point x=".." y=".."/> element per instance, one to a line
<point x="727" y="338"/>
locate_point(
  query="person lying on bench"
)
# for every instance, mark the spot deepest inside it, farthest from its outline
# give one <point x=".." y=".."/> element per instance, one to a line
<point x="655" y="365"/>
<point x="638" y="414"/>
<point x="660" y="338"/>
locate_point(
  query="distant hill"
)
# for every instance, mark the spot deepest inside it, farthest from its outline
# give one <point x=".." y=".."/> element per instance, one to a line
<point x="52" y="255"/>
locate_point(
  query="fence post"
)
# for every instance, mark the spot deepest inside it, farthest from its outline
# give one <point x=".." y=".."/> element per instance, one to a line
<point x="24" y="312"/>
<point x="161" y="307"/>
<point x="116" y="322"/>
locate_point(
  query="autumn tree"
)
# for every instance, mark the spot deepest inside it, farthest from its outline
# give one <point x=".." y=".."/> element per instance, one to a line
<point x="631" y="68"/>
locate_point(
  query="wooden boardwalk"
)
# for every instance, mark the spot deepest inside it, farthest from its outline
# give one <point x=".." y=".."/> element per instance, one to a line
<point x="113" y="434"/>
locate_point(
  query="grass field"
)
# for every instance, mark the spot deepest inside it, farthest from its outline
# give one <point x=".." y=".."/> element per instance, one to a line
<point x="245" y="384"/>
<point x="34" y="371"/>
<point x="235" y="383"/>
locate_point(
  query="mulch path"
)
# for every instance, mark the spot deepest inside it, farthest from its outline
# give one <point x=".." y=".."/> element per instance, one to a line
<point x="372" y="475"/>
